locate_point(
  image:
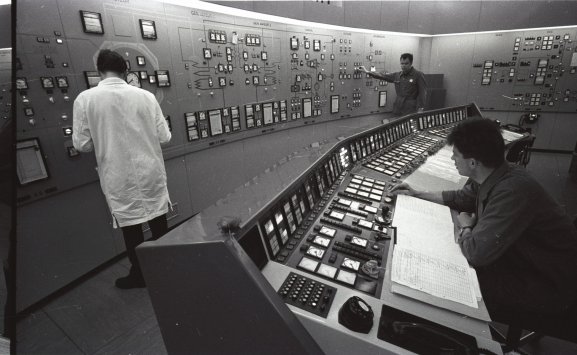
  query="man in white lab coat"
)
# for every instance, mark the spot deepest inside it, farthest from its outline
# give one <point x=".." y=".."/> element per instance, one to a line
<point x="125" y="127"/>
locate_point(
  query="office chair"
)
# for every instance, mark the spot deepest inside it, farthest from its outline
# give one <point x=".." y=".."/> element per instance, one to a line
<point x="520" y="151"/>
<point x="514" y="338"/>
<point x="561" y="327"/>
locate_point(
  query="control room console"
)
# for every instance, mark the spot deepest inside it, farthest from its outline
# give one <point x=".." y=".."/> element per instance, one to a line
<point x="323" y="246"/>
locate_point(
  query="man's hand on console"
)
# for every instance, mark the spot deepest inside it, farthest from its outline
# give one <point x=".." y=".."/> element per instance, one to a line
<point x="362" y="69"/>
<point x="403" y="189"/>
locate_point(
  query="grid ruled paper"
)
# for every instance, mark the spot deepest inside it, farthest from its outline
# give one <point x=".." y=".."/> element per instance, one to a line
<point x="433" y="275"/>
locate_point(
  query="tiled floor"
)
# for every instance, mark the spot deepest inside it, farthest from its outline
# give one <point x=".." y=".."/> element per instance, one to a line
<point x="94" y="318"/>
<point x="97" y="318"/>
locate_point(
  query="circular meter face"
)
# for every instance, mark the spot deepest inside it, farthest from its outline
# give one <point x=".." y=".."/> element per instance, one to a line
<point x="133" y="79"/>
<point x="47" y="83"/>
<point x="21" y="84"/>
<point x="62" y="81"/>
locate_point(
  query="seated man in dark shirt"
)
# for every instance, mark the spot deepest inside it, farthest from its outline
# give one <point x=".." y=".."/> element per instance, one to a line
<point x="519" y="240"/>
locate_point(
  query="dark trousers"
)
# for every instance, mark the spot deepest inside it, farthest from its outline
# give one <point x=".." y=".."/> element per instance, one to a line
<point x="134" y="236"/>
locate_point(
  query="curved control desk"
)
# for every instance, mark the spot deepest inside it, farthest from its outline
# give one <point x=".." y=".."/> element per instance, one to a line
<point x="313" y="221"/>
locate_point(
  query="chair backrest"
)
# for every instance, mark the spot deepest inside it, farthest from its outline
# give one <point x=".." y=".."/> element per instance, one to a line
<point x="519" y="152"/>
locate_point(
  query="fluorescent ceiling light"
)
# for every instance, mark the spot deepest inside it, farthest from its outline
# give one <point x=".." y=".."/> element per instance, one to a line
<point x="196" y="4"/>
<point x="201" y="5"/>
<point x="503" y="31"/>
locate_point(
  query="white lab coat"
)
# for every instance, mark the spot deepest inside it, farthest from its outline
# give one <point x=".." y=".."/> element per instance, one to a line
<point x="124" y="126"/>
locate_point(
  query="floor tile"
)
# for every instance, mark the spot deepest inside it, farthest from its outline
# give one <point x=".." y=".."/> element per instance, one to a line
<point x="38" y="334"/>
<point x="96" y="312"/>
<point x="143" y="339"/>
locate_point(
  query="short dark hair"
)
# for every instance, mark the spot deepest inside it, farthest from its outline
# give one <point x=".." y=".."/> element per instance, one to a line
<point x="110" y="61"/>
<point x="481" y="139"/>
<point x="408" y="56"/>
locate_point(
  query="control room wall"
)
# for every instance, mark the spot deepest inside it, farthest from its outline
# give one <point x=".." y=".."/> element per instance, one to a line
<point x="199" y="172"/>
<point x="556" y="131"/>
<point x="456" y="56"/>
<point x="52" y="227"/>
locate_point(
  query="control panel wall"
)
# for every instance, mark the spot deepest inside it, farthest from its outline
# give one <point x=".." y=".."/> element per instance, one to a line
<point x="223" y="77"/>
<point x="511" y="71"/>
<point x="6" y="132"/>
<point x="219" y="79"/>
<point x="512" y="74"/>
<point x="5" y="88"/>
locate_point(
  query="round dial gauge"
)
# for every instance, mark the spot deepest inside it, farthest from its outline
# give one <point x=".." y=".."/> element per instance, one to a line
<point x="47" y="83"/>
<point x="316" y="252"/>
<point x="21" y="84"/>
<point x="62" y="82"/>
<point x="351" y="264"/>
<point x="133" y="79"/>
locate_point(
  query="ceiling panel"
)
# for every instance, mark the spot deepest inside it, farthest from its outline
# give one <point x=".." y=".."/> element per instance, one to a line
<point x="394" y="16"/>
<point x="456" y="16"/>
<point x="333" y="13"/>
<point x="421" y="17"/>
<point x="362" y="14"/>
<point x="504" y="15"/>
<point x="291" y="9"/>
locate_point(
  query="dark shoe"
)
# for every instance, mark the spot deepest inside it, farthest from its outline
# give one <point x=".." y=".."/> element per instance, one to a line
<point x="129" y="282"/>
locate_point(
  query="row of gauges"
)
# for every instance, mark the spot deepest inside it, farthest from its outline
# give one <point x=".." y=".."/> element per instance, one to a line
<point x="442" y="132"/>
<point x="160" y="77"/>
<point x="295" y="44"/>
<point x="92" y="23"/>
<point x="226" y="120"/>
<point x="217" y="121"/>
<point x="207" y="54"/>
<point x="403" y="158"/>
<point x="312" y="64"/>
<point x="440" y="119"/>
<point x="47" y="82"/>
<point x="216" y="36"/>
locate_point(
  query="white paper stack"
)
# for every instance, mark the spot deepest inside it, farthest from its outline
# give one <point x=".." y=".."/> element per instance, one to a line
<point x="426" y="256"/>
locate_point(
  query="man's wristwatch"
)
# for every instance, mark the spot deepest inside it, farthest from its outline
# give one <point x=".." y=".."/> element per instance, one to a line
<point x="463" y="229"/>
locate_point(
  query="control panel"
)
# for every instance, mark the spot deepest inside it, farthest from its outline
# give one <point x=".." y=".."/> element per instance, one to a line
<point x="218" y="78"/>
<point x="305" y="293"/>
<point x="526" y="71"/>
<point x="221" y="78"/>
<point x="5" y="86"/>
<point x="335" y="223"/>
